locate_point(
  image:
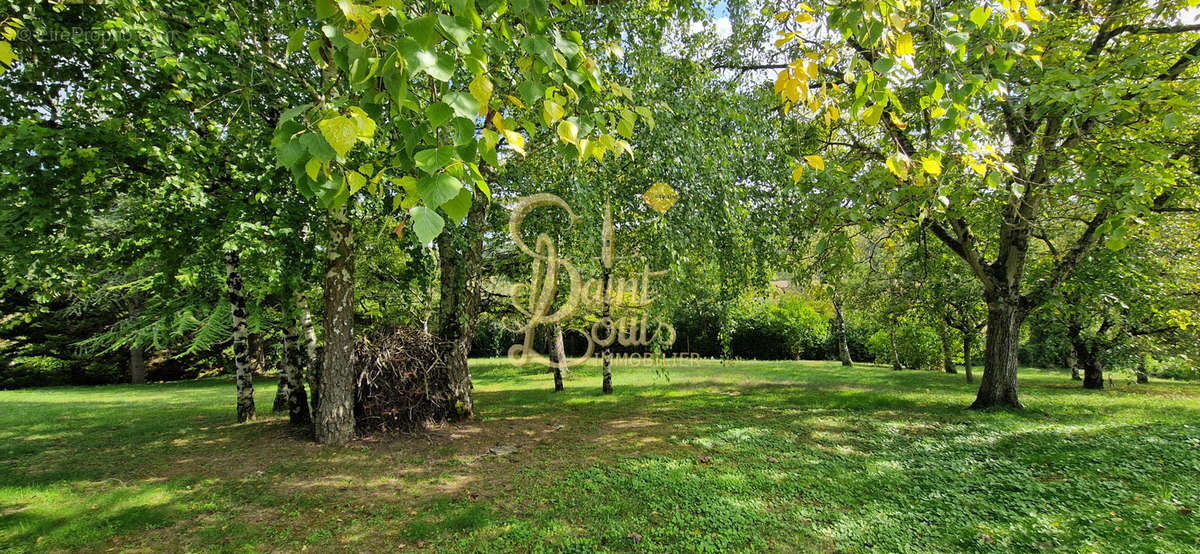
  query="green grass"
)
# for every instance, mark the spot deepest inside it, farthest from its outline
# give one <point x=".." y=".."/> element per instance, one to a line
<point x="784" y="456"/>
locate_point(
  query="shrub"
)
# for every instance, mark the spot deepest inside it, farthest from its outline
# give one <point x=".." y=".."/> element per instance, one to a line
<point x="917" y="346"/>
<point x="780" y="328"/>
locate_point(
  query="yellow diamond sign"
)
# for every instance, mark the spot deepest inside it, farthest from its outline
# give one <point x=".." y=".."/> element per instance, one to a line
<point x="661" y="197"/>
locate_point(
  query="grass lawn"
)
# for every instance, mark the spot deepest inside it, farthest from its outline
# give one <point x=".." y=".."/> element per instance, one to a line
<point x="783" y="456"/>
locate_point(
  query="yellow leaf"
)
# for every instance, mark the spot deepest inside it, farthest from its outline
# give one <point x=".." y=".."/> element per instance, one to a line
<point x="782" y="16"/>
<point x="796" y="173"/>
<point x="904" y="45"/>
<point x="568" y="132"/>
<point x="804" y="18"/>
<point x="515" y="140"/>
<point x="811" y="69"/>
<point x="899" y="123"/>
<point x="551" y="112"/>
<point x="898" y="167"/>
<point x="815" y="162"/>
<point x="481" y="89"/>
<point x="937" y="112"/>
<point x="931" y="165"/>
<point x="516" y="101"/>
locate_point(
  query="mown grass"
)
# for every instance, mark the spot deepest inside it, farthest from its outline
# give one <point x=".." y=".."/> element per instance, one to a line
<point x="783" y="456"/>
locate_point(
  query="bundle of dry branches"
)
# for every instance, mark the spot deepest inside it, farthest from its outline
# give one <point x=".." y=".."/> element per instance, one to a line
<point x="402" y="383"/>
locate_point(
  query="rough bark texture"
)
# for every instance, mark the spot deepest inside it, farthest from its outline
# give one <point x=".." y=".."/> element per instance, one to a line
<point x="998" y="387"/>
<point x="283" y="390"/>
<point x="137" y="365"/>
<point x="560" y="356"/>
<point x="335" y="411"/>
<point x="258" y="354"/>
<point x="968" y="342"/>
<point x="309" y="363"/>
<point x="947" y="353"/>
<point x="1073" y="363"/>
<point x="297" y="398"/>
<point x="241" y="359"/>
<point x="1140" y="371"/>
<point x="459" y="254"/>
<point x="839" y="327"/>
<point x="895" y="353"/>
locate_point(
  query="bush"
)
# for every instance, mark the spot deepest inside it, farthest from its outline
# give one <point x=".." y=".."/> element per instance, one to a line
<point x="783" y="328"/>
<point x="917" y="347"/>
<point x="1174" y="367"/>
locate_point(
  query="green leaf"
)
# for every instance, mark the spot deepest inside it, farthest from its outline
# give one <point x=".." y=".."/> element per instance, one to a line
<point x="296" y="40"/>
<point x="957" y="39"/>
<point x="1116" y="243"/>
<point x="364" y="126"/>
<point x="883" y="65"/>
<point x="439" y="113"/>
<point x="464" y="104"/>
<point x="436" y="190"/>
<point x="458" y="206"/>
<point x="340" y="132"/>
<point x="424" y="29"/>
<point x="454" y="29"/>
<point x="427" y="224"/>
<point x="325" y="9"/>
<point x="317" y="146"/>
<point x="434" y="159"/>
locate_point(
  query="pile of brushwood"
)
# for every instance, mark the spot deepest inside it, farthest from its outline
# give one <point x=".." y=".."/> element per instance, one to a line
<point x="402" y="382"/>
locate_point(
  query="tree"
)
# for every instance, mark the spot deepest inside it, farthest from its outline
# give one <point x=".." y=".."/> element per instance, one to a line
<point x="984" y="125"/>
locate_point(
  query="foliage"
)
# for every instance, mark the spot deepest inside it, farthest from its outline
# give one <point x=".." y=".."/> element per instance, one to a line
<point x="781" y="327"/>
<point x="917" y="346"/>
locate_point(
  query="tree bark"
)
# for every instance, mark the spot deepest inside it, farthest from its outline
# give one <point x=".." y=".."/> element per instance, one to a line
<point x="560" y="358"/>
<point x="283" y="390"/>
<point x="137" y="365"/>
<point x="1142" y="376"/>
<point x="258" y="354"/>
<point x="606" y="260"/>
<point x="335" y="412"/>
<point x="309" y="362"/>
<point x="998" y="387"/>
<point x="459" y="254"/>
<point x="1073" y="362"/>
<point x="968" y="342"/>
<point x="241" y="360"/>
<point x="892" y="340"/>
<point x="297" y="400"/>
<point x="947" y="353"/>
<point x="839" y="327"/>
<point x="1088" y="356"/>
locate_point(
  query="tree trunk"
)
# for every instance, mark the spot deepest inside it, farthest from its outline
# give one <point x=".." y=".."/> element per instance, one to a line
<point x="297" y="400"/>
<point x="606" y="260"/>
<point x="309" y="363"/>
<point x="258" y="355"/>
<point x="560" y="358"/>
<point x="999" y="384"/>
<point x="947" y="353"/>
<point x="283" y="390"/>
<point x="335" y="411"/>
<point x="1088" y="357"/>
<point x="968" y="342"/>
<point x="137" y="365"/>
<point x="459" y="252"/>
<point x="892" y="339"/>
<point x="241" y="359"/>
<point x="839" y="327"/>
<point x="1142" y="376"/>
<point x="1073" y="362"/>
